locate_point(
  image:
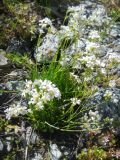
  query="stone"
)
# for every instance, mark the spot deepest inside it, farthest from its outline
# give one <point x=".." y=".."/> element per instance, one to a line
<point x="9" y="147"/>
<point x="16" y="74"/>
<point x="14" y="85"/>
<point x="19" y="47"/>
<point x="107" y="108"/>
<point x="118" y="83"/>
<point x="28" y="135"/>
<point x="115" y="30"/>
<point x="1" y="145"/>
<point x="2" y="87"/>
<point x="76" y="47"/>
<point x="34" y="138"/>
<point x="3" y="96"/>
<point x="37" y="156"/>
<point x="116" y="44"/>
<point x="3" y="60"/>
<point x="55" y="152"/>
<point x="46" y="51"/>
<point x="102" y="51"/>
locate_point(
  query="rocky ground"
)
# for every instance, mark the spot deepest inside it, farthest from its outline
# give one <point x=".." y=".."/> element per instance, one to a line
<point x="98" y="39"/>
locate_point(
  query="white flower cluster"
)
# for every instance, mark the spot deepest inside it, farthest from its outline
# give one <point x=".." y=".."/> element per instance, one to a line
<point x="77" y="13"/>
<point x="44" y="23"/>
<point x="92" y="46"/>
<point x="80" y="8"/>
<point x="75" y="101"/>
<point x="110" y="95"/>
<point x="40" y="92"/>
<point x="113" y="56"/>
<point x="94" y="34"/>
<point x="15" y="110"/>
<point x="75" y="77"/>
<point x="64" y="61"/>
<point x="112" y="83"/>
<point x="99" y="16"/>
<point x="66" y="31"/>
<point x="91" y="61"/>
<point x="92" y="38"/>
<point x="91" y="121"/>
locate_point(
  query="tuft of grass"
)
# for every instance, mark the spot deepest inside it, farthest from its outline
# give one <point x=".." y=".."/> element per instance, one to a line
<point x="57" y="112"/>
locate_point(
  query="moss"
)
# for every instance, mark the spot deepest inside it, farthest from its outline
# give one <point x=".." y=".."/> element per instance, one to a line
<point x="3" y="123"/>
<point x="94" y="153"/>
<point x="23" y="18"/>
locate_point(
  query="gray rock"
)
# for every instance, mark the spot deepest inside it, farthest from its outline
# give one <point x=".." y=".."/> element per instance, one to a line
<point x="3" y="96"/>
<point x="108" y="108"/>
<point x="34" y="138"/>
<point x="102" y="51"/>
<point x="16" y="74"/>
<point x="14" y="85"/>
<point x="28" y="135"/>
<point x="46" y="51"/>
<point x="115" y="30"/>
<point x="55" y="152"/>
<point x="9" y="146"/>
<point x="76" y="47"/>
<point x="2" y="87"/>
<point x="37" y="156"/>
<point x="17" y="46"/>
<point x="117" y="45"/>
<point x="3" y="60"/>
<point x="1" y="145"/>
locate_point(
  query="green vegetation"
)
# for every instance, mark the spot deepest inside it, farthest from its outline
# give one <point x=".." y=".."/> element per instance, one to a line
<point x="3" y="123"/>
<point x="65" y="113"/>
<point x="57" y="113"/>
<point x="94" y="153"/>
<point x="113" y="7"/>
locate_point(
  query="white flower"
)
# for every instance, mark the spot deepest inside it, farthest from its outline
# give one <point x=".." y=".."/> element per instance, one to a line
<point x="64" y="61"/>
<point x="79" y="9"/>
<point x="15" y="109"/>
<point x="94" y="35"/>
<point x="72" y="75"/>
<point x="90" y="61"/>
<point x="115" y="100"/>
<point x="98" y="16"/>
<point x="91" y="46"/>
<point x="102" y="64"/>
<point x="103" y="71"/>
<point x="108" y="94"/>
<point x="114" y="56"/>
<point x="112" y="83"/>
<point x="44" y="22"/>
<point x="66" y="31"/>
<point x="94" y="115"/>
<point x="75" y="101"/>
<point x="40" y="92"/>
<point x="87" y="79"/>
<point x="40" y="105"/>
